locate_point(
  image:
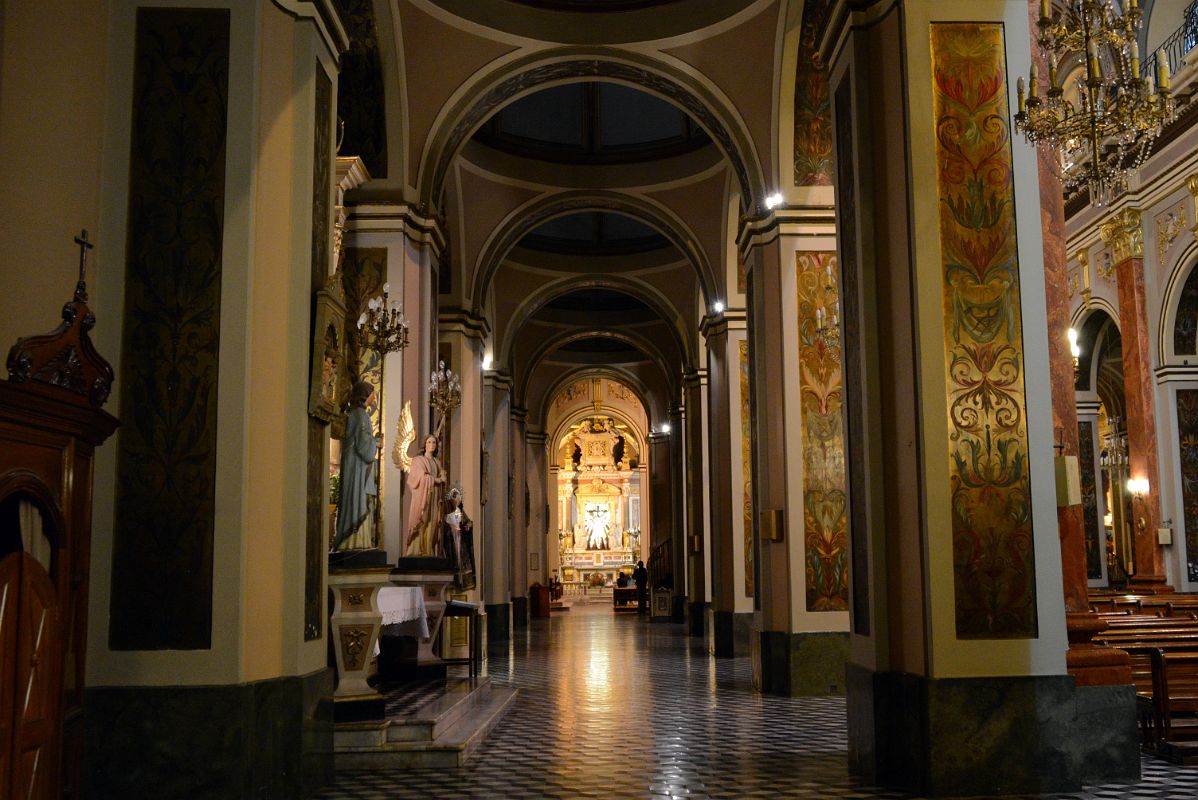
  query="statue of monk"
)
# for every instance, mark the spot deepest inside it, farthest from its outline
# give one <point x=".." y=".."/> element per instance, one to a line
<point x="426" y="479"/>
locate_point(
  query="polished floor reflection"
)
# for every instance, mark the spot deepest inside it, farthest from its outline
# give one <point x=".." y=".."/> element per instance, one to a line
<point x="616" y="707"/>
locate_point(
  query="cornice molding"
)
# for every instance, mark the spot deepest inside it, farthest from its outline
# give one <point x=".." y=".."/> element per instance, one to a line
<point x="324" y="15"/>
<point x="458" y="320"/>
<point x="404" y="218"/>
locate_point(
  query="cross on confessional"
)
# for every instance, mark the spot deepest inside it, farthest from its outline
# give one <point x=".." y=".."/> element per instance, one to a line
<point x="84" y="246"/>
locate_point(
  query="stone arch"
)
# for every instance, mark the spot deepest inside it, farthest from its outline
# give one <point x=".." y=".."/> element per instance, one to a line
<point x="1181" y="289"/>
<point x="650" y="351"/>
<point x="705" y="103"/>
<point x="524" y="219"/>
<point x="1088" y="321"/>
<point x="541" y="413"/>
<point x="568" y="283"/>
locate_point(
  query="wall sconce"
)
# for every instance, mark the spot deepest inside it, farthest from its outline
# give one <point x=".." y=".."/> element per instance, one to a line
<point x="1075" y="351"/>
<point x="487" y="361"/>
<point x="1138" y="489"/>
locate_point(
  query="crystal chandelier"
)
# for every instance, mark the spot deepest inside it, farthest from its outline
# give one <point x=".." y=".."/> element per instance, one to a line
<point x="1106" y="131"/>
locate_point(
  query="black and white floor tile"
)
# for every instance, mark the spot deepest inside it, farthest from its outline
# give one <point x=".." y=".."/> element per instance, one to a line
<point x="614" y="707"/>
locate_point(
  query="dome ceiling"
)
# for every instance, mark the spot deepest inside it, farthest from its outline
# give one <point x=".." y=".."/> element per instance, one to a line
<point x="592" y="123"/>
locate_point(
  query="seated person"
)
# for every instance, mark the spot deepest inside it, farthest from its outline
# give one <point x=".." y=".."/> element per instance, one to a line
<point x="621" y="580"/>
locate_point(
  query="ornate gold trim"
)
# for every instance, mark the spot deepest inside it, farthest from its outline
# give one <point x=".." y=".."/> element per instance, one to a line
<point x="1124" y="235"/>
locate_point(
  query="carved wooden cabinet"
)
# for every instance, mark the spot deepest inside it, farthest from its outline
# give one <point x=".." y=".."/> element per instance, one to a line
<point x="50" y="425"/>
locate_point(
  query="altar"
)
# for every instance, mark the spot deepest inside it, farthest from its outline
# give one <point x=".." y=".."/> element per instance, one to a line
<point x="600" y="511"/>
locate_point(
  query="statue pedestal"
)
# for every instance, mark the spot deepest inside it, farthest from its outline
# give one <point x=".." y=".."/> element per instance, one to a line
<point x="433" y="584"/>
<point x="354" y="627"/>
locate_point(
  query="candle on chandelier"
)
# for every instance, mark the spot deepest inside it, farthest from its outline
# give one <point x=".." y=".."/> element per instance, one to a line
<point x="1052" y="71"/>
<point x="1092" y="59"/>
<point x="1045" y="6"/>
<point x="1022" y="99"/>
<point x="1135" y="60"/>
<point x="1162" y="70"/>
<point x="1033" y="80"/>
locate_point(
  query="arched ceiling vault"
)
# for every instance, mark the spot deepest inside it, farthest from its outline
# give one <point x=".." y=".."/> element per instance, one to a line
<point x="523" y="220"/>
<point x="473" y="104"/>
<point x="539" y="406"/>
<point x="656" y="397"/>
<point x="550" y="291"/>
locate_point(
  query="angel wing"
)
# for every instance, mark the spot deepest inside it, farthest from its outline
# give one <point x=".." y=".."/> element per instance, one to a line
<point x="406" y="434"/>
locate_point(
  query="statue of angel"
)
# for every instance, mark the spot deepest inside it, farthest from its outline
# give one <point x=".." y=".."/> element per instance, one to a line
<point x="426" y="479"/>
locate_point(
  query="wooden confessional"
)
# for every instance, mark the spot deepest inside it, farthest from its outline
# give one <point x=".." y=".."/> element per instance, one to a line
<point x="50" y="425"/>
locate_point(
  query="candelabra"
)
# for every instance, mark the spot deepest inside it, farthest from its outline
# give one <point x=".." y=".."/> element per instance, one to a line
<point x="827" y="315"/>
<point x="445" y="394"/>
<point x="1107" y="132"/>
<point x="383" y="329"/>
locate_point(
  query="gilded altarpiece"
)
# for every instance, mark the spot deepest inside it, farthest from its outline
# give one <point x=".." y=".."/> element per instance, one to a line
<point x="746" y="462"/>
<point x="993" y="554"/>
<point x="1187" y="434"/>
<point x="821" y="395"/>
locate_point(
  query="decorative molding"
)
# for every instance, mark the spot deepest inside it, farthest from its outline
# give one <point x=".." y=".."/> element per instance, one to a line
<point x="1169" y="225"/>
<point x="1123" y="235"/>
<point x="746" y="460"/>
<point x="1192" y="187"/>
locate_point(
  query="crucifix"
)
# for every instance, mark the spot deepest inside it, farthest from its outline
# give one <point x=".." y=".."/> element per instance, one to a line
<point x="81" y="286"/>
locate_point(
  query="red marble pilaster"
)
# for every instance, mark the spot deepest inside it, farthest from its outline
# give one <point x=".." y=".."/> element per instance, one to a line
<point x="1090" y="664"/>
<point x="1141" y="426"/>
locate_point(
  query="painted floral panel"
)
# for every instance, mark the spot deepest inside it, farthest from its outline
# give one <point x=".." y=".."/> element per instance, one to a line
<point x="993" y="553"/>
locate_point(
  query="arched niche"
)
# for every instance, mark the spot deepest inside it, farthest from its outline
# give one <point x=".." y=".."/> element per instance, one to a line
<point x="30" y="520"/>
<point x="1178" y="335"/>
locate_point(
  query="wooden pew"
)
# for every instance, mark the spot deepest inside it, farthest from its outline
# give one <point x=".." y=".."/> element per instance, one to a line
<point x="1175" y="693"/>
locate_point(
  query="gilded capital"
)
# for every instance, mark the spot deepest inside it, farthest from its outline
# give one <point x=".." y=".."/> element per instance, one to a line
<point x="1123" y="235"/>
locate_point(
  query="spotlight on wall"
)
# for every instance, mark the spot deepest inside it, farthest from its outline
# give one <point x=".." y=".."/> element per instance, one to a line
<point x="665" y="427"/>
<point x="773" y="200"/>
<point x="487" y="361"/>
<point x="718" y="307"/>
<point x="1137" y="486"/>
<point x="1138" y="489"/>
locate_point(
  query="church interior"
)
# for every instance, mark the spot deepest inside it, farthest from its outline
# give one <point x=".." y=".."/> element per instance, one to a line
<point x="558" y="398"/>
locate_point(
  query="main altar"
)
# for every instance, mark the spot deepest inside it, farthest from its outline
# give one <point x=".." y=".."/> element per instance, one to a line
<point x="600" y="509"/>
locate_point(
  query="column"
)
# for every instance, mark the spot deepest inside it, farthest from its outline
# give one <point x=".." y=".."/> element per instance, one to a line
<point x="803" y="639"/>
<point x="731" y="551"/>
<point x="496" y="529"/>
<point x="541" y="533"/>
<point x="227" y="612"/>
<point x="697" y="544"/>
<point x="517" y="483"/>
<point x="1124" y="236"/>
<point x="957" y="600"/>
<point x="678" y="507"/>
<point x="661" y="488"/>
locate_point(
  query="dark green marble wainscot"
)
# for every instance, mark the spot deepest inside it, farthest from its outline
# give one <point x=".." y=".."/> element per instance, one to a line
<point x="733" y="633"/>
<point x="803" y="664"/>
<point x="989" y="736"/>
<point x="499" y="622"/>
<point x="696" y="618"/>
<point x="520" y="612"/>
<point x="170" y="334"/>
<point x="267" y="739"/>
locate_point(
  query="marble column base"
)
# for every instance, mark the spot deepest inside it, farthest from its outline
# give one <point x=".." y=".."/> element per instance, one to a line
<point x="803" y="664"/>
<point x="733" y="633"/>
<point x="520" y="612"/>
<point x="989" y="736"/>
<point x="696" y="618"/>
<point x="499" y="622"/>
<point x="271" y="738"/>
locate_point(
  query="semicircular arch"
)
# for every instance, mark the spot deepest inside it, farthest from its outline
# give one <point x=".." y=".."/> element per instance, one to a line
<point x="614" y="374"/>
<point x="549" y="292"/>
<point x="522" y="220"/>
<point x="551" y="344"/>
<point x="474" y="103"/>
<point x="1180" y="275"/>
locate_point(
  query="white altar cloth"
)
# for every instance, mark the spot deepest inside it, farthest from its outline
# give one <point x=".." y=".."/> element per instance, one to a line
<point x="402" y="608"/>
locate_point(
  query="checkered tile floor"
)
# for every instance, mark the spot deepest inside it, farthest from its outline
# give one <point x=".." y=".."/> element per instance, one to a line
<point x="614" y="707"/>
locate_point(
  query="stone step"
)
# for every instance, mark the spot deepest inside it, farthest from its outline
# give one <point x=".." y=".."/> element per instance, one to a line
<point x="453" y="747"/>
<point x="428" y="723"/>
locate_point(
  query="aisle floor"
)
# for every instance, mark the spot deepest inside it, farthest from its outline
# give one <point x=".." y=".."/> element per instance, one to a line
<point x="615" y="707"/>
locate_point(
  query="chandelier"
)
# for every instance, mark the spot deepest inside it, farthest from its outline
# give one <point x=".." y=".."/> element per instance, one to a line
<point x="1104" y="131"/>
